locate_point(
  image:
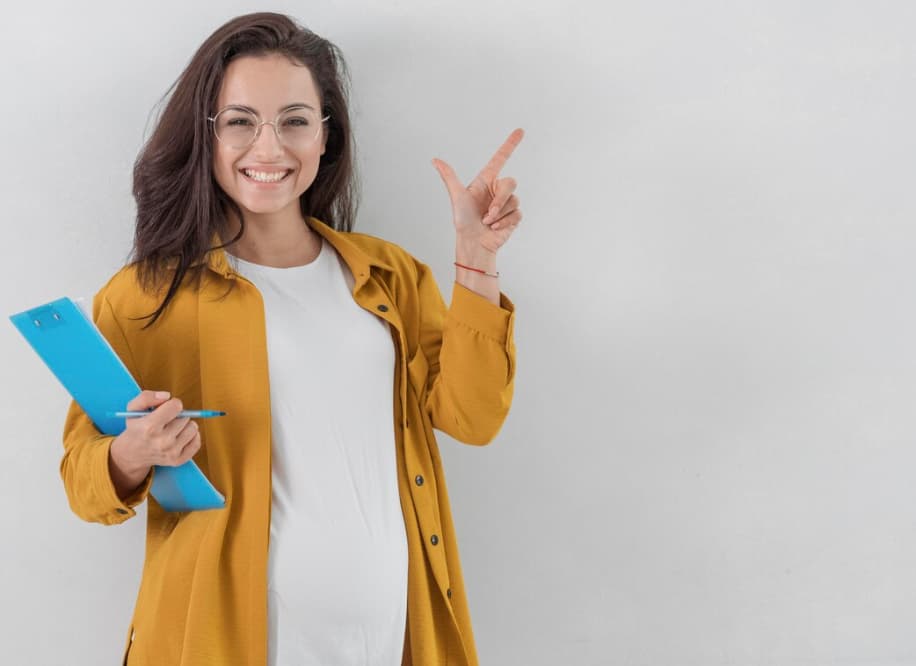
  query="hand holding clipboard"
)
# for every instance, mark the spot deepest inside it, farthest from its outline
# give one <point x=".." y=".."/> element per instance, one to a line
<point x="160" y="433"/>
<point x="74" y="349"/>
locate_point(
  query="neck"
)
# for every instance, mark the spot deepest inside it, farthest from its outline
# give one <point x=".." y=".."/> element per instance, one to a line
<point x="278" y="240"/>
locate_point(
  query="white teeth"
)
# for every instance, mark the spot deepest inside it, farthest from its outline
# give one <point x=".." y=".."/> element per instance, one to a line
<point x="265" y="177"/>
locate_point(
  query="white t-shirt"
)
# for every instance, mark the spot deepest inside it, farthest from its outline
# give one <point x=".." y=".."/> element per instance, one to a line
<point x="337" y="561"/>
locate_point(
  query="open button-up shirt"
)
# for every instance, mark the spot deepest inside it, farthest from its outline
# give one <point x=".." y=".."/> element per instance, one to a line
<point x="203" y="593"/>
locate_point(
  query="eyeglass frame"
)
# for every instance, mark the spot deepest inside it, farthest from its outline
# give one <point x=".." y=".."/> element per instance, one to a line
<point x="261" y="123"/>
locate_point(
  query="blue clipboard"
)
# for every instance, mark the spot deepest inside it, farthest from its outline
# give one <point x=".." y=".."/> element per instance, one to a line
<point x="74" y="349"/>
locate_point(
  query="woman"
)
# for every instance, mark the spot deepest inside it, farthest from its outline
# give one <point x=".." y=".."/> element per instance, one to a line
<point x="332" y="354"/>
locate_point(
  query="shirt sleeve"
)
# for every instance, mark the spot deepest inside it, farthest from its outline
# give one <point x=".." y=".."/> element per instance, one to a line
<point x="84" y="467"/>
<point x="470" y="351"/>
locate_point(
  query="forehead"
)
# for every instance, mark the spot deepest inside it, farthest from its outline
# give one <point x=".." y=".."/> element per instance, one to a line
<point x="267" y="83"/>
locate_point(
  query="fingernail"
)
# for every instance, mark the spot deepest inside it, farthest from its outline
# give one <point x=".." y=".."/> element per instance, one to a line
<point x="162" y="395"/>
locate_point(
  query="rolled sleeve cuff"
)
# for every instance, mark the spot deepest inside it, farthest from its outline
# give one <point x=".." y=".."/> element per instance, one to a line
<point x="476" y="312"/>
<point x="105" y="490"/>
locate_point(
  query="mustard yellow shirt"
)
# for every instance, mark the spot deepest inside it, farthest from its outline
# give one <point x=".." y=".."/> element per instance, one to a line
<point x="203" y="593"/>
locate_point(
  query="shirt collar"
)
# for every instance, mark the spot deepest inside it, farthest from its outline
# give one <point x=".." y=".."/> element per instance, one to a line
<point x="357" y="259"/>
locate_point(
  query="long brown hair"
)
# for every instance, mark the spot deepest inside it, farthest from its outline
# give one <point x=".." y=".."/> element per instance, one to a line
<point x="179" y="204"/>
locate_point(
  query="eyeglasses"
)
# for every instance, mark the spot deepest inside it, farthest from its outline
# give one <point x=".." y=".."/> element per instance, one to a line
<point x="296" y="128"/>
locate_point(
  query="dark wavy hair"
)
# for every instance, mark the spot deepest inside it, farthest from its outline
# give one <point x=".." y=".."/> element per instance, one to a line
<point x="180" y="206"/>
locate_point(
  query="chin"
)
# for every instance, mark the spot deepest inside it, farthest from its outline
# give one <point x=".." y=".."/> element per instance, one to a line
<point x="266" y="207"/>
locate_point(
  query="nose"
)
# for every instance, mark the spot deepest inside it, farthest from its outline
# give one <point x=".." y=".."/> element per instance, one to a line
<point x="269" y="146"/>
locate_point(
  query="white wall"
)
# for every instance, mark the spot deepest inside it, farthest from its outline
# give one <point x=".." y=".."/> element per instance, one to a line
<point x="710" y="457"/>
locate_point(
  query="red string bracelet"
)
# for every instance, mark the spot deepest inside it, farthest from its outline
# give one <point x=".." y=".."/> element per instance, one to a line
<point x="477" y="270"/>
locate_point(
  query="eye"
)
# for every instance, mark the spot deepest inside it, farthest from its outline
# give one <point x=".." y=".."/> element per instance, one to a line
<point x="298" y="121"/>
<point x="239" y="121"/>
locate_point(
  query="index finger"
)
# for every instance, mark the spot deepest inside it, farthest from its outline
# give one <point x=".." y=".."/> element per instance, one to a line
<point x="498" y="161"/>
<point x="165" y="413"/>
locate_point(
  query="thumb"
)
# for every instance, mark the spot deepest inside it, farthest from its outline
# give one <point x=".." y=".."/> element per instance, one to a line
<point x="447" y="173"/>
<point x="147" y="400"/>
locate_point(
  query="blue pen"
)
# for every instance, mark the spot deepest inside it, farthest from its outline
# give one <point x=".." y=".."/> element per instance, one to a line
<point x="185" y="414"/>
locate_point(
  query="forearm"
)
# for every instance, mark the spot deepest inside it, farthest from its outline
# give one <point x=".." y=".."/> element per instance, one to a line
<point x="125" y="477"/>
<point x="473" y="367"/>
<point x="86" y="472"/>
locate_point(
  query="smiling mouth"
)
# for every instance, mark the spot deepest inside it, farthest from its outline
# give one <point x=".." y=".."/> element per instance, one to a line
<point x="265" y="177"/>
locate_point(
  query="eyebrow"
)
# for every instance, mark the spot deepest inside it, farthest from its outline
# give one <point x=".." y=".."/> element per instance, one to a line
<point x="294" y="105"/>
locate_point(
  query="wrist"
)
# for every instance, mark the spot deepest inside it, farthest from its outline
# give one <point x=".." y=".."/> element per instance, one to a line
<point x="122" y="465"/>
<point x="478" y="257"/>
<point x="479" y="271"/>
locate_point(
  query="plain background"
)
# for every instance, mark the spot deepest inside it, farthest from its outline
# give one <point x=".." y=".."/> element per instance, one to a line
<point x="710" y="456"/>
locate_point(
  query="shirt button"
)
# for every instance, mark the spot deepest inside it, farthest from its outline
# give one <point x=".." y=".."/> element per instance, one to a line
<point x="121" y="511"/>
<point x="383" y="308"/>
<point x="419" y="480"/>
<point x="448" y="593"/>
<point x="434" y="539"/>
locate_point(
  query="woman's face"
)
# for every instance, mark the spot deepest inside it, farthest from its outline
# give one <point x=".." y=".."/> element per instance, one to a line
<point x="267" y="84"/>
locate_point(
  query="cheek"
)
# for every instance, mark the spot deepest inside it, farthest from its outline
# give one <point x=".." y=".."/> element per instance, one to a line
<point x="222" y="170"/>
<point x="308" y="162"/>
<point x="314" y="152"/>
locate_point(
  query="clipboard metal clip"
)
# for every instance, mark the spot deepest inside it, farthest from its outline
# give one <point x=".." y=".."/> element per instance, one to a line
<point x="45" y="317"/>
